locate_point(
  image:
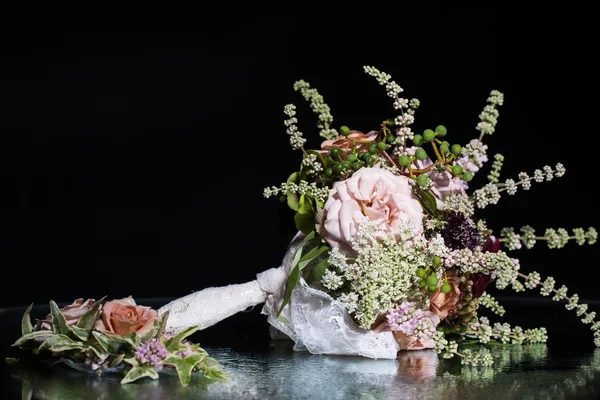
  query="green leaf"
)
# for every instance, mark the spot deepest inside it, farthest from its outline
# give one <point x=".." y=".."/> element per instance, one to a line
<point x="27" y="390"/>
<point x="304" y="222"/>
<point x="99" y="352"/>
<point x="114" y="344"/>
<point x="136" y="373"/>
<point x="67" y="347"/>
<point x="184" y="366"/>
<point x="133" y="361"/>
<point x="427" y="201"/>
<point x="292" y="198"/>
<point x="174" y="342"/>
<point x="305" y="205"/>
<point x="149" y="333"/>
<point x="311" y="255"/>
<point x="80" y="333"/>
<point x="163" y="323"/>
<point x="26" y="326"/>
<point x="88" y="319"/>
<point x="59" y="323"/>
<point x="56" y="339"/>
<point x="11" y="360"/>
<point x="283" y="319"/>
<point x="318" y="270"/>
<point x="294" y="275"/>
<point x="32" y="335"/>
<point x="57" y="343"/>
<point x="292" y="281"/>
<point x="117" y="360"/>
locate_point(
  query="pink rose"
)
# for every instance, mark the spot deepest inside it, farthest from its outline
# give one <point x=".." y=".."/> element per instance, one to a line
<point x="72" y="313"/>
<point x="123" y="317"/>
<point x="444" y="303"/>
<point x="376" y="193"/>
<point x="444" y="183"/>
<point x="345" y="143"/>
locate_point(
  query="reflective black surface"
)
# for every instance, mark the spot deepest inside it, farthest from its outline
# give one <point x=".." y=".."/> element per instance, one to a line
<point x="568" y="366"/>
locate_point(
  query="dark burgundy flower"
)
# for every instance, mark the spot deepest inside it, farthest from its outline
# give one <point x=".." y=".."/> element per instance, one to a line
<point x="459" y="233"/>
<point x="481" y="280"/>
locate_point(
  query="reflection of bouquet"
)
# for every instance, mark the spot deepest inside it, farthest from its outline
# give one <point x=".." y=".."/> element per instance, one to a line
<point x="389" y="231"/>
<point x="117" y="336"/>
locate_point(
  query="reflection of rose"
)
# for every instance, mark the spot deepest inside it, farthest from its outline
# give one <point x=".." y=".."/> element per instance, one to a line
<point x="376" y="193"/>
<point x="443" y="303"/>
<point x="72" y="313"/>
<point x="123" y="317"/>
<point x="418" y="364"/>
<point x="345" y="143"/>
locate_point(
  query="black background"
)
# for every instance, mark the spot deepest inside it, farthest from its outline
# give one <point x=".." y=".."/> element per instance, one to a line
<point x="133" y="163"/>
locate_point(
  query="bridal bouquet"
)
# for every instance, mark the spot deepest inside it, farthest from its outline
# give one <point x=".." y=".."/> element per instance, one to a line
<point x="117" y="336"/>
<point x="389" y="239"/>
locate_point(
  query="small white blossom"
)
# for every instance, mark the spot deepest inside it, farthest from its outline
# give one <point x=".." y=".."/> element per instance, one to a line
<point x="331" y="280"/>
<point x="525" y="181"/>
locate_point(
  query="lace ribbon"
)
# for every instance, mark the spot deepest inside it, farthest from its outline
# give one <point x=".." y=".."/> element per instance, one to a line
<point x="315" y="321"/>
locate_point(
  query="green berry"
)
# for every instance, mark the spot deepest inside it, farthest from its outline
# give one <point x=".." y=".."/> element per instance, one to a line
<point x="432" y="288"/>
<point x="456" y="149"/>
<point x="422" y="283"/>
<point x="441" y="130"/>
<point x="436" y="260"/>
<point x="467" y="176"/>
<point x="403" y="160"/>
<point x="428" y="135"/>
<point x="344" y="130"/>
<point x="418" y="140"/>
<point x="338" y="168"/>
<point x="420" y="154"/>
<point x="457" y="170"/>
<point x="347" y="164"/>
<point x="335" y="152"/>
<point x="381" y="146"/>
<point x="363" y="155"/>
<point x="329" y="172"/>
<point x="373" y="149"/>
<point x="390" y="122"/>
<point x="351" y="158"/>
<point x="370" y="160"/>
<point x="432" y="280"/>
<point x="356" y="165"/>
<point x="445" y="146"/>
<point x="422" y="180"/>
<point x="420" y="272"/>
<point x="446" y="288"/>
<point x="391" y="139"/>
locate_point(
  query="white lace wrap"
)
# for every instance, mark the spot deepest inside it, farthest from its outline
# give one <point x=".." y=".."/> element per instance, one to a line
<point x="317" y="322"/>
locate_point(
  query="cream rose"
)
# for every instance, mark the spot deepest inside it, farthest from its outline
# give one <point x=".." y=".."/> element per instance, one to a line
<point x="375" y="193"/>
<point x="123" y="317"/>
